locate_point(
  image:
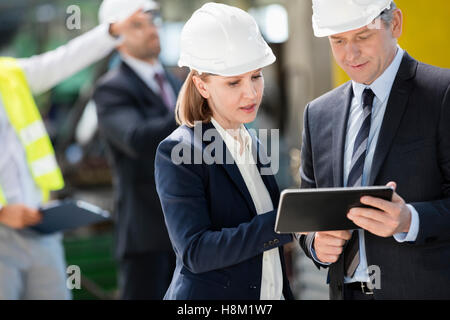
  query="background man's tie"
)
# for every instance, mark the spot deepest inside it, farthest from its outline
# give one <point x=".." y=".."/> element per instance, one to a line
<point x="161" y="79"/>
<point x="351" y="252"/>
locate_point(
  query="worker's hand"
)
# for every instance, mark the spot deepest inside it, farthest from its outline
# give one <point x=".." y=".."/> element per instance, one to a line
<point x="18" y="216"/>
<point x="328" y="245"/>
<point x="118" y="28"/>
<point x="385" y="218"/>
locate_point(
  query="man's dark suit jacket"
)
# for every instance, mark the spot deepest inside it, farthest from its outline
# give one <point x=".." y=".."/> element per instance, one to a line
<point x="414" y="151"/>
<point x="218" y="237"/>
<point x="134" y="120"/>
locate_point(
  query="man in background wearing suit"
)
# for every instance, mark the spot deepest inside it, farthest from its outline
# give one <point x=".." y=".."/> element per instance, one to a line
<point x="389" y="125"/>
<point x="135" y="105"/>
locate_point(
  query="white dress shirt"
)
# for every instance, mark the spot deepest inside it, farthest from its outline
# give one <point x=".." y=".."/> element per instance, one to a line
<point x="272" y="275"/>
<point x="42" y="73"/>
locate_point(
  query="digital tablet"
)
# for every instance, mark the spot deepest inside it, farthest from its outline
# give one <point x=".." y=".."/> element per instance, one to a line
<point x="309" y="210"/>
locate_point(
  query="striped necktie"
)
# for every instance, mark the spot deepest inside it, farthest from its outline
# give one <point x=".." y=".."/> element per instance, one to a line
<point x="351" y="253"/>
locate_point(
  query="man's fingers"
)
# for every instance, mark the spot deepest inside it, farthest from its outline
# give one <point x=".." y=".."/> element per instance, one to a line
<point x="392" y="184"/>
<point x="329" y="240"/>
<point x="328" y="258"/>
<point x="329" y="245"/>
<point x="383" y="204"/>
<point x="329" y="250"/>
<point x="368" y="213"/>
<point x="378" y="203"/>
<point x="341" y="234"/>
<point x="370" y="225"/>
<point x="396" y="198"/>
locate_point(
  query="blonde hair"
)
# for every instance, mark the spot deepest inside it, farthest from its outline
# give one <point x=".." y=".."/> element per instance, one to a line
<point x="191" y="106"/>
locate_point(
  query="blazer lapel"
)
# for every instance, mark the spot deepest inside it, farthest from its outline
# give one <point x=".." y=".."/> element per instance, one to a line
<point x="231" y="168"/>
<point x="340" y="120"/>
<point x="395" y="109"/>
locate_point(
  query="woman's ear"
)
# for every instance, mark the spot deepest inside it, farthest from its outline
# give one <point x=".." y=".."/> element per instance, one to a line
<point x="201" y="86"/>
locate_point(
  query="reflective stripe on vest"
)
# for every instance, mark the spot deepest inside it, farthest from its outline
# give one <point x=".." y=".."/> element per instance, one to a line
<point x="26" y="120"/>
<point x="2" y="198"/>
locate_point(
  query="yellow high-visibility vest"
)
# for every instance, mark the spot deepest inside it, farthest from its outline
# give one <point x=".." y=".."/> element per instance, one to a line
<point x="26" y="120"/>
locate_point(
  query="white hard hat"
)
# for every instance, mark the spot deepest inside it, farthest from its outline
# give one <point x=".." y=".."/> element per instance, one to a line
<point x="223" y="40"/>
<point x="116" y="10"/>
<point x="336" y="16"/>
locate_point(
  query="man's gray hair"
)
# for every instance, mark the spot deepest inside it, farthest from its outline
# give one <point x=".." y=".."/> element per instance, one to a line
<point x="387" y="15"/>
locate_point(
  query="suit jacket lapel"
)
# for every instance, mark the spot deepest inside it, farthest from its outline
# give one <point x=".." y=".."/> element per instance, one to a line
<point x="395" y="109"/>
<point x="141" y="88"/>
<point x="340" y="119"/>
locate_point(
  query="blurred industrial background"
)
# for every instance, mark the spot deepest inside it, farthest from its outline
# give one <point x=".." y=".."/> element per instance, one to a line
<point x="304" y="70"/>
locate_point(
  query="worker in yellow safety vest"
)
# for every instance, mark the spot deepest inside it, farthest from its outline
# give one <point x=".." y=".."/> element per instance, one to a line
<point x="32" y="265"/>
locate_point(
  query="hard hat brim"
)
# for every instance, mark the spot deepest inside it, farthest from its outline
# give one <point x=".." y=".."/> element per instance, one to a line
<point x="265" y="61"/>
<point x="350" y="26"/>
<point x="325" y="32"/>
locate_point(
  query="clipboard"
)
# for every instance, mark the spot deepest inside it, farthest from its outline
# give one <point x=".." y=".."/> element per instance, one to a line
<point x="70" y="214"/>
<point x="310" y="210"/>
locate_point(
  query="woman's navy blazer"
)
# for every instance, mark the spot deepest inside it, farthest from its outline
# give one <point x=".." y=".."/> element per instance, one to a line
<point x="213" y="225"/>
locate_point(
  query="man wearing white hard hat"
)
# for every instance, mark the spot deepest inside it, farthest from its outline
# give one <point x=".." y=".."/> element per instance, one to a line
<point x="221" y="214"/>
<point x="32" y="265"/>
<point x="389" y="125"/>
<point x="135" y="105"/>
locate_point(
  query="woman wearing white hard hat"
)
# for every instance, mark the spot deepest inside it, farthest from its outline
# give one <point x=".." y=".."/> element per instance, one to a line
<point x="220" y="214"/>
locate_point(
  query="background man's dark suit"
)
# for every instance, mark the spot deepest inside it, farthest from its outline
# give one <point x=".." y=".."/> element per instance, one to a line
<point x="134" y="120"/>
<point x="414" y="151"/>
